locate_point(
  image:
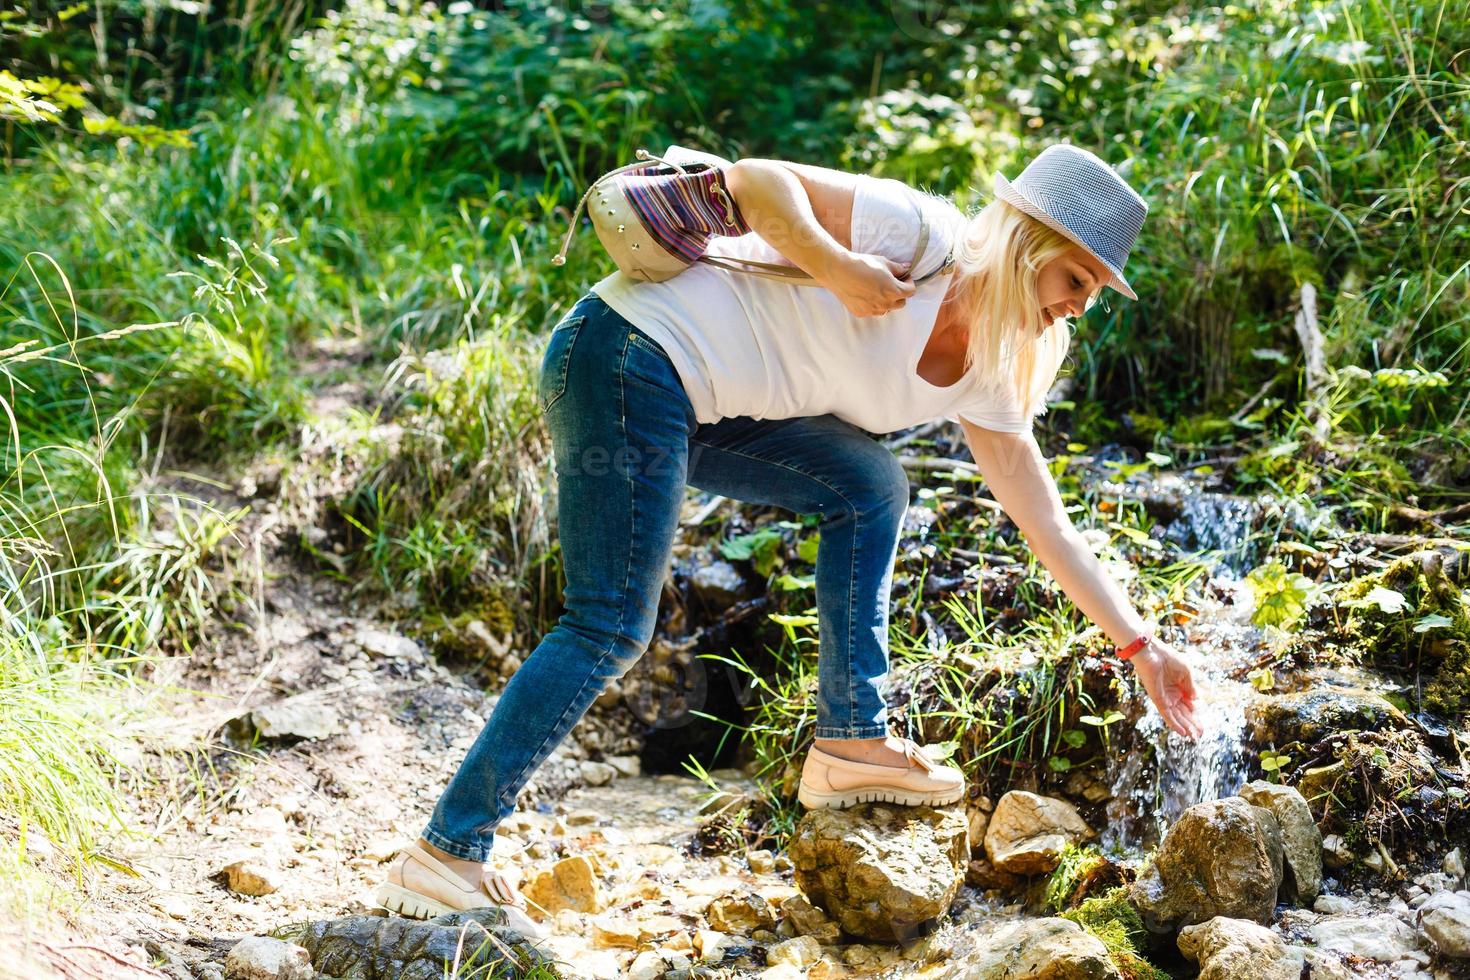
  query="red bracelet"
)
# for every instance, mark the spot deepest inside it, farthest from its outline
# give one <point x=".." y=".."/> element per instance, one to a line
<point x="1134" y="646"/>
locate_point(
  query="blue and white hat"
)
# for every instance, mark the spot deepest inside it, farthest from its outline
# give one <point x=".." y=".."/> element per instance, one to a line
<point x="1073" y="191"/>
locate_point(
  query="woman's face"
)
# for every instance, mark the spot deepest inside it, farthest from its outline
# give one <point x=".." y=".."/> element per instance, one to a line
<point x="1067" y="285"/>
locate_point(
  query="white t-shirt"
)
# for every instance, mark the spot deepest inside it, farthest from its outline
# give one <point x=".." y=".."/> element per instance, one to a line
<point x="745" y="345"/>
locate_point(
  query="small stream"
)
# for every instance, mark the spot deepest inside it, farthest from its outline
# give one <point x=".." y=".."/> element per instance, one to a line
<point x="1163" y="774"/>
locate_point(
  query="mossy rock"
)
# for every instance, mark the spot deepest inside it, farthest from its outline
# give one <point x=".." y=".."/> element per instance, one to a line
<point x="1307" y="716"/>
<point x="1413" y="617"/>
<point x="367" y="947"/>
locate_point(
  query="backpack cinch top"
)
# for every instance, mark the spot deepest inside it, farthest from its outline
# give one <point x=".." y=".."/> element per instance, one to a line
<point x="657" y="218"/>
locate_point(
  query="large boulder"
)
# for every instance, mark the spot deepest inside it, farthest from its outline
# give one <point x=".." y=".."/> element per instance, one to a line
<point x="1300" y="838"/>
<point x="1039" y="949"/>
<point x="1027" y="832"/>
<point x="882" y="871"/>
<point x="1231" y="949"/>
<point x="1222" y="857"/>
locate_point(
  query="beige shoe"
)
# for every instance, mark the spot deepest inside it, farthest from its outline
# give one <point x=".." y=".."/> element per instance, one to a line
<point x="419" y="886"/>
<point x="828" y="781"/>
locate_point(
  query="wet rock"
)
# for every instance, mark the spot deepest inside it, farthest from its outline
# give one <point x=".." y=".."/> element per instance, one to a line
<point x="1335" y="852"/>
<point x="1454" y="864"/>
<point x="1229" y="949"/>
<point x="808" y="920"/>
<point x="1307" y="716"/>
<point x="1082" y="785"/>
<point x="984" y="876"/>
<point x="1039" y="949"/>
<point x="1384" y="938"/>
<point x="304" y="716"/>
<point x="264" y="958"/>
<point x="1445" y="921"/>
<point x="880" y="870"/>
<point x="627" y="766"/>
<point x="719" y="584"/>
<point x="800" y="952"/>
<point x="979" y="818"/>
<point x="1222" y="858"/>
<point x="1301" y="840"/>
<point x="1027" y="832"/>
<point x="740" y="914"/>
<point x="252" y="876"/>
<point x="369" y="947"/>
<point x="570" y="883"/>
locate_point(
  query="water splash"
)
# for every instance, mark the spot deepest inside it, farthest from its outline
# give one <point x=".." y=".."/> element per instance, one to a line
<point x="1164" y="774"/>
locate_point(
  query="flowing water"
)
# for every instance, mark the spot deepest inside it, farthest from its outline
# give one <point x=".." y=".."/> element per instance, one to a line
<point x="1163" y="774"/>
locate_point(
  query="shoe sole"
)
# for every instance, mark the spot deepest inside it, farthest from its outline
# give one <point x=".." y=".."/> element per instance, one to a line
<point x="813" y="800"/>
<point x="410" y="904"/>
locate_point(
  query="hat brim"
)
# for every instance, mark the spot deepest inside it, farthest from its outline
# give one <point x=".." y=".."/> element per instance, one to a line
<point x="1007" y="192"/>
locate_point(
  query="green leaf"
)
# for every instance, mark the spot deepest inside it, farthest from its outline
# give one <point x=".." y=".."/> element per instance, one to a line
<point x="1158" y="459"/>
<point x="1281" y="595"/>
<point x="807" y="549"/>
<point x="761" y="548"/>
<point x="1074" y="738"/>
<point x="785" y="620"/>
<point x="940" y="751"/>
<point x="1387" y="600"/>
<point x="787" y="582"/>
<point x="1059" y="764"/>
<point x="1433" y="621"/>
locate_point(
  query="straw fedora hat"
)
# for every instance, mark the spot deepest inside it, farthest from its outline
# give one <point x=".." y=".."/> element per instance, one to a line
<point x="1073" y="191"/>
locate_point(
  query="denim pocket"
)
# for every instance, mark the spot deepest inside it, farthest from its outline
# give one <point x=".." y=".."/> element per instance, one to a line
<point x="553" y="381"/>
<point x="645" y="362"/>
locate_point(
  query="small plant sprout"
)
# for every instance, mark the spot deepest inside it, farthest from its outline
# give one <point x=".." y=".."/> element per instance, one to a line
<point x="1272" y="762"/>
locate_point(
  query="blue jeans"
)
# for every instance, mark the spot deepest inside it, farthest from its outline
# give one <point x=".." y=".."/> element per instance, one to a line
<point x="626" y="443"/>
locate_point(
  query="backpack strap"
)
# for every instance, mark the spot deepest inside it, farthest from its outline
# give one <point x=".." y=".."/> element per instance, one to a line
<point x="799" y="277"/>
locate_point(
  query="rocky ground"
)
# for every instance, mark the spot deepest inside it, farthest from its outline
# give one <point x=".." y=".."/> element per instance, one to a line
<point x="327" y="733"/>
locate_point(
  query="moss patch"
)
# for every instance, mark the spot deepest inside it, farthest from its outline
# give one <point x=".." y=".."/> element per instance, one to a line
<point x="1414" y="617"/>
<point x="1113" y="920"/>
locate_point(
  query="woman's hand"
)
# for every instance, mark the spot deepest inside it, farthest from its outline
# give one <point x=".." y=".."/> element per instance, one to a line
<point x="1170" y="686"/>
<point x="868" y="285"/>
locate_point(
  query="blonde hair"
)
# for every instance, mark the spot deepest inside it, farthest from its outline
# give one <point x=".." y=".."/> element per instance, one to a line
<point x="997" y="259"/>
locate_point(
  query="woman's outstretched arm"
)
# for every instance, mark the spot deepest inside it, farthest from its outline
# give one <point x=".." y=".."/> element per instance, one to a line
<point x="805" y="213"/>
<point x="1016" y="472"/>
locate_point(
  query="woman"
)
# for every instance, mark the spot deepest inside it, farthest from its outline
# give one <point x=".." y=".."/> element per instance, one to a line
<point x="767" y="392"/>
